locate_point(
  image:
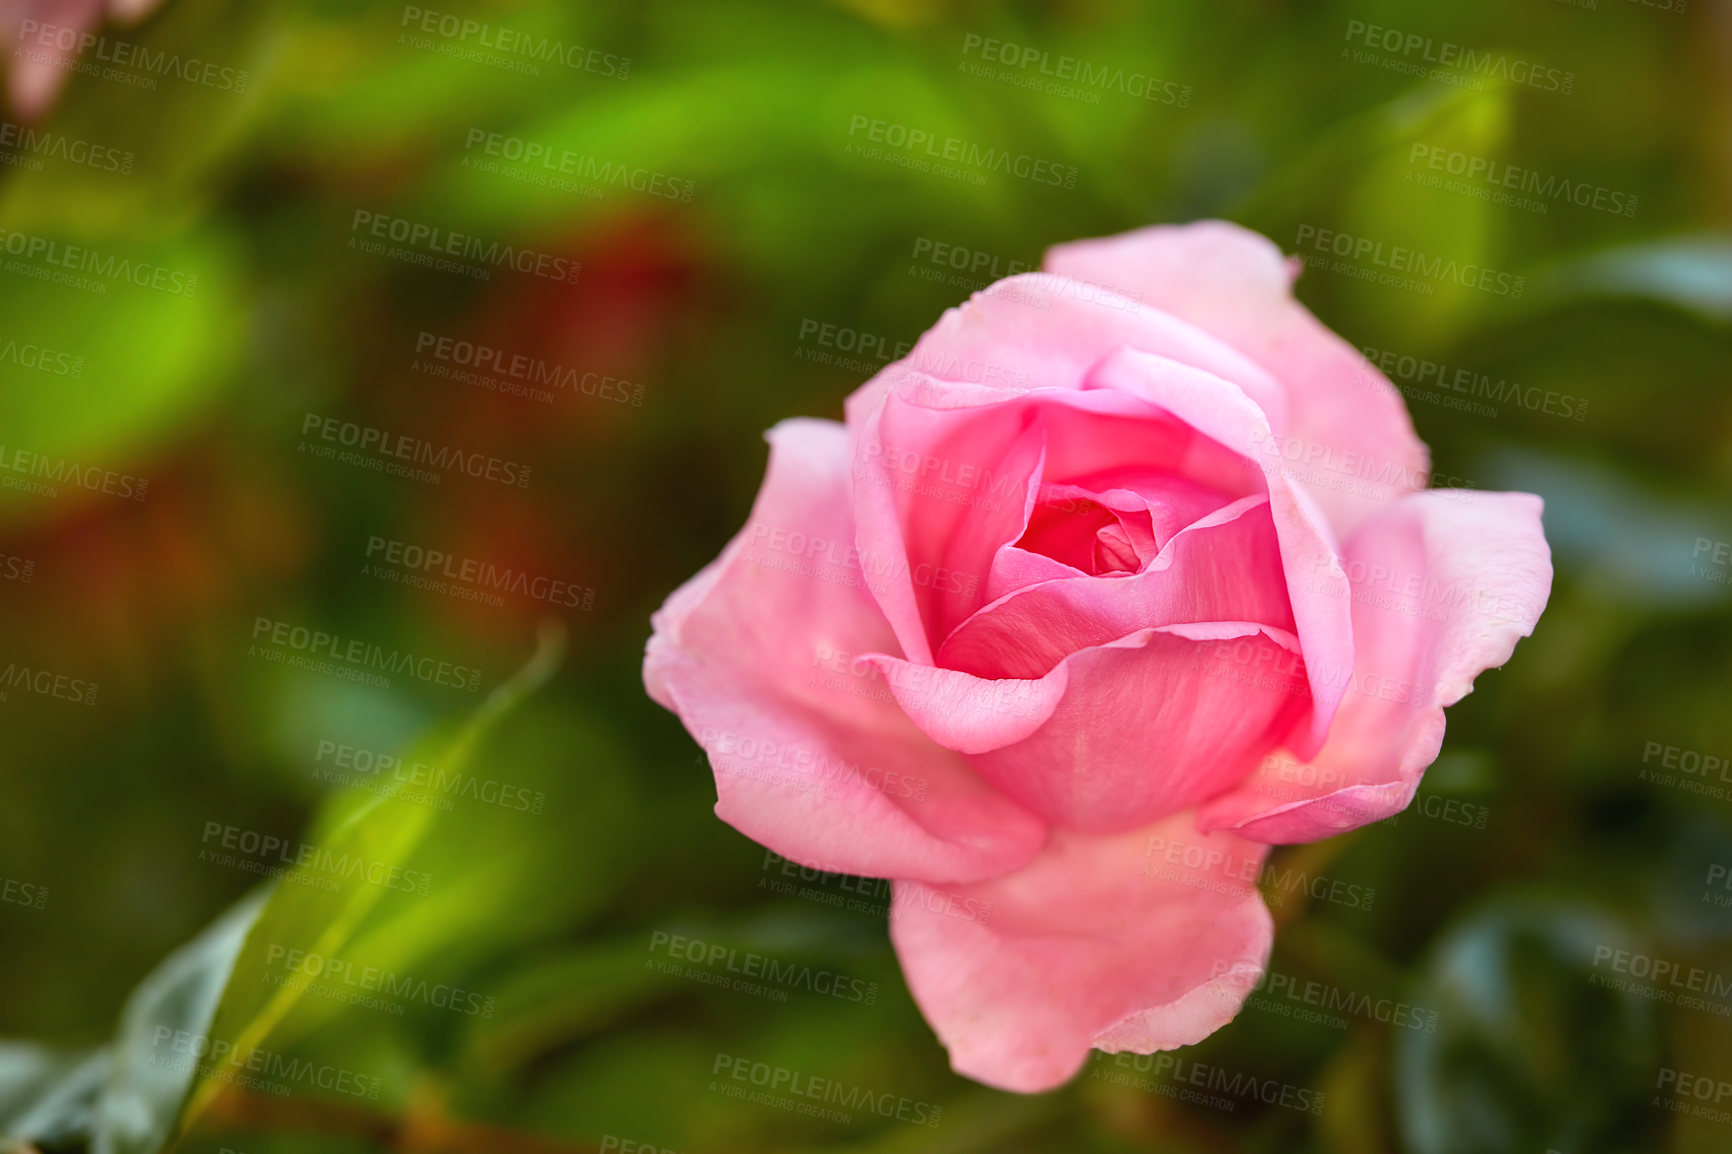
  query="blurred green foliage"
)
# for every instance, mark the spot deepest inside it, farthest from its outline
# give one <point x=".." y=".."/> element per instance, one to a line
<point x="1550" y="835"/>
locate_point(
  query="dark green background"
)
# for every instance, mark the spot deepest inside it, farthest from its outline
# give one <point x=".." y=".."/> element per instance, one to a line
<point x="702" y="304"/>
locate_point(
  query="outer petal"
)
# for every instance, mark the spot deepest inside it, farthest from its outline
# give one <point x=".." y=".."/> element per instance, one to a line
<point x="1038" y="331"/>
<point x="1144" y="941"/>
<point x="1443" y="584"/>
<point x="1233" y="283"/>
<point x="1118" y="735"/>
<point x="819" y="764"/>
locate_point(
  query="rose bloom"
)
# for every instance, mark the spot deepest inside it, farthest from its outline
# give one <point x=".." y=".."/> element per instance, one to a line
<point x="1127" y="572"/>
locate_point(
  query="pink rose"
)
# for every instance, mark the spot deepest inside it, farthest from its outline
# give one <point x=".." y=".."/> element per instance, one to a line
<point x="1124" y="574"/>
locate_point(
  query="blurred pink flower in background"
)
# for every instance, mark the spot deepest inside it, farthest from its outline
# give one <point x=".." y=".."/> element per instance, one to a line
<point x="43" y="39"/>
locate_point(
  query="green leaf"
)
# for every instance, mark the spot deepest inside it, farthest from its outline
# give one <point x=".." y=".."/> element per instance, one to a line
<point x="48" y="1095"/>
<point x="147" y="1078"/>
<point x="325" y="921"/>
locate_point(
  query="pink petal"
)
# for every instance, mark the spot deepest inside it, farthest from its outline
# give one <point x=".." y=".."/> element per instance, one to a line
<point x="812" y="756"/>
<point x="1004" y="337"/>
<point x="1145" y="940"/>
<point x="1443" y="583"/>
<point x="1118" y="735"/>
<point x="1235" y="284"/>
<point x="1223" y="415"/>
